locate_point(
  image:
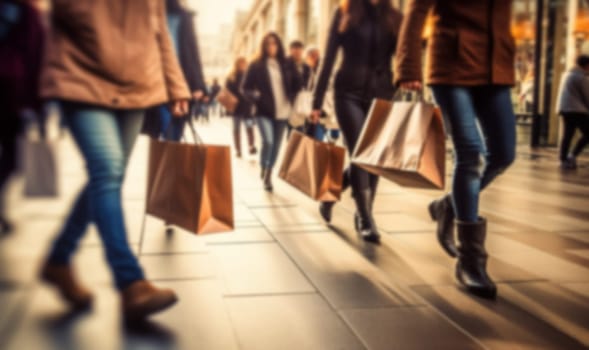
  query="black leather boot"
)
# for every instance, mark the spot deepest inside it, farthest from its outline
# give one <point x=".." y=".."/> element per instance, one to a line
<point x="325" y="209"/>
<point x="268" y="180"/>
<point x="471" y="270"/>
<point x="364" y="222"/>
<point x="442" y="212"/>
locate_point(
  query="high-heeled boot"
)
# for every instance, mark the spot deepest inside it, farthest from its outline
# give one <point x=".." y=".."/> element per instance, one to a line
<point x="471" y="269"/>
<point x="442" y="212"/>
<point x="326" y="208"/>
<point x="268" y="180"/>
<point x="364" y="221"/>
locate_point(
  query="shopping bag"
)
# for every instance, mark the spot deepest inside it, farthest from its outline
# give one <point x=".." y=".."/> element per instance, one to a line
<point x="40" y="168"/>
<point x="190" y="186"/>
<point x="405" y="143"/>
<point x="228" y="100"/>
<point x="313" y="167"/>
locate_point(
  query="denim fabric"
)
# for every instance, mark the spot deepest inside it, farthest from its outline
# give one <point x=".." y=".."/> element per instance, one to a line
<point x="105" y="138"/>
<point x="481" y="123"/>
<point x="172" y="128"/>
<point x="272" y="132"/>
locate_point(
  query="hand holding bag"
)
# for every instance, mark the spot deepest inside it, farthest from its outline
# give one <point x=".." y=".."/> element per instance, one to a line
<point x="228" y="100"/>
<point x="405" y="143"/>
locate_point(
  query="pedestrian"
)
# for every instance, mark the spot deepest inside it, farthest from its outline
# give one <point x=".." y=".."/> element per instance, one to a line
<point x="21" y="44"/>
<point x="158" y="120"/>
<point x="213" y="104"/>
<point x="573" y="106"/>
<point x="105" y="72"/>
<point x="296" y="52"/>
<point x="243" y="111"/>
<point x="366" y="31"/>
<point x="271" y="83"/>
<point x="470" y="69"/>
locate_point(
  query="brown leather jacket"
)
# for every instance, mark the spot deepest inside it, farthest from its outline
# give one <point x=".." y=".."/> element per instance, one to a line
<point x="111" y="53"/>
<point x="471" y="43"/>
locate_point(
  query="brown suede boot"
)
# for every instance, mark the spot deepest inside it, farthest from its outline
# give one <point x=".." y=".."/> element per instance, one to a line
<point x="62" y="277"/>
<point x="142" y="299"/>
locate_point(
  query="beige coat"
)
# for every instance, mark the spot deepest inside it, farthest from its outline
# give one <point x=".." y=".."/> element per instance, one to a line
<point x="112" y="53"/>
<point x="471" y="43"/>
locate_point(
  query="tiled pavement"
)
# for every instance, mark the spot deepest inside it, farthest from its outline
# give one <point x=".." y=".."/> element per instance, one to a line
<point x="284" y="280"/>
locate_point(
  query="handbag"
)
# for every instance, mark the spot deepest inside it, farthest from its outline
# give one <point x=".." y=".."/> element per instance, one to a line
<point x="228" y="100"/>
<point x="405" y="143"/>
<point x="190" y="185"/>
<point x="39" y="162"/>
<point x="313" y="167"/>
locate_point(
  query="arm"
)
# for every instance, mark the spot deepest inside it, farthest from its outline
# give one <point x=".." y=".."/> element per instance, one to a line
<point x="333" y="43"/>
<point x="584" y="89"/>
<point x="195" y="77"/>
<point x="250" y="85"/>
<point x="174" y="78"/>
<point x="408" y="54"/>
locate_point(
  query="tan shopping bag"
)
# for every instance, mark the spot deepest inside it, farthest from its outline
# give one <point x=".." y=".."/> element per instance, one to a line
<point x="313" y="167"/>
<point x="227" y="100"/>
<point x="190" y="186"/>
<point x="405" y="143"/>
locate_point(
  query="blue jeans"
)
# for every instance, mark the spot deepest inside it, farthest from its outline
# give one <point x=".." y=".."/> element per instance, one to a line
<point x="172" y="128"/>
<point x="483" y="149"/>
<point x="105" y="138"/>
<point x="321" y="132"/>
<point x="272" y="132"/>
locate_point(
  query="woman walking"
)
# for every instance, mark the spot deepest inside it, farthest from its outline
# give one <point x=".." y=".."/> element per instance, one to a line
<point x="366" y="31"/>
<point x="107" y="61"/>
<point x="470" y="70"/>
<point x="243" y="111"/>
<point x="271" y="83"/>
<point x="180" y="22"/>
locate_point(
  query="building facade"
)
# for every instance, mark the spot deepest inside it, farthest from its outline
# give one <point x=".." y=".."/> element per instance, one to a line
<point x="549" y="35"/>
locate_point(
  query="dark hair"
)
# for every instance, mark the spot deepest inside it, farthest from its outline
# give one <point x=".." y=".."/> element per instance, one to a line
<point x="583" y="61"/>
<point x="174" y="5"/>
<point x="280" y="56"/>
<point x="297" y="44"/>
<point x="355" y="10"/>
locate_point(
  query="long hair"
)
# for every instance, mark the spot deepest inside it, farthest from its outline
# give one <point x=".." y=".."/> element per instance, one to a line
<point x="263" y="55"/>
<point x="354" y="12"/>
<point x="235" y="70"/>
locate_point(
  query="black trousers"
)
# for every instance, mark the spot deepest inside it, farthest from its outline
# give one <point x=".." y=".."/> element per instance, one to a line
<point x="572" y="122"/>
<point x="352" y="112"/>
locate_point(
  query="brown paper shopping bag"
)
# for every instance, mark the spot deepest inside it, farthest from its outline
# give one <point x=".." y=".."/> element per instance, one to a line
<point x="405" y="143"/>
<point x="313" y="167"/>
<point x="190" y="186"/>
<point x="227" y="100"/>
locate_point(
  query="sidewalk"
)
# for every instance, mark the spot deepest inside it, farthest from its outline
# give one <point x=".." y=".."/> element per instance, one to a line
<point x="284" y="280"/>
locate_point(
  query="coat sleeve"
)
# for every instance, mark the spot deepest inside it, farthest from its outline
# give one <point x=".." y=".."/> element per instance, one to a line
<point x="174" y="78"/>
<point x="408" y="54"/>
<point x="333" y="44"/>
<point x="191" y="57"/>
<point x="249" y="85"/>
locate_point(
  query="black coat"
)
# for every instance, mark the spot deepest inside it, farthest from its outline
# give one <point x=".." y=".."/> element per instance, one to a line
<point x="190" y="62"/>
<point x="244" y="107"/>
<point x="366" y="69"/>
<point x="304" y="72"/>
<point x="257" y="87"/>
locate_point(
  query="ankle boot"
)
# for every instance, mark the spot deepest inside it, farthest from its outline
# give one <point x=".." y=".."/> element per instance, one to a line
<point x="251" y="140"/>
<point x="62" y="278"/>
<point x="364" y="221"/>
<point x="237" y="141"/>
<point x="471" y="270"/>
<point x="141" y="299"/>
<point x="442" y="212"/>
<point x="268" y="180"/>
